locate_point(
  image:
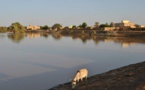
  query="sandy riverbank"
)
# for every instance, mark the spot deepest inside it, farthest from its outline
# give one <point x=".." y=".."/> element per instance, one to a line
<point x="131" y="77"/>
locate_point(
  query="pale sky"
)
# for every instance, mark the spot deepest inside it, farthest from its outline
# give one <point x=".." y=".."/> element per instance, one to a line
<point x="70" y="12"/>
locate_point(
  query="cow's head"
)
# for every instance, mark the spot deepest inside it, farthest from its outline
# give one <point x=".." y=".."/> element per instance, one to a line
<point x="73" y="84"/>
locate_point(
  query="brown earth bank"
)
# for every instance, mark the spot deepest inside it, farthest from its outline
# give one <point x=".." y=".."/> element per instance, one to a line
<point x="102" y="33"/>
<point x="131" y="77"/>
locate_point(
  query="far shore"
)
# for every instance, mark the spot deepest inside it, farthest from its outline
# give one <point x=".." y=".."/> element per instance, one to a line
<point x="131" y="77"/>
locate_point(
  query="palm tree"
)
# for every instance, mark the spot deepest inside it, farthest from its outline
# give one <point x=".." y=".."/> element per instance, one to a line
<point x="96" y="24"/>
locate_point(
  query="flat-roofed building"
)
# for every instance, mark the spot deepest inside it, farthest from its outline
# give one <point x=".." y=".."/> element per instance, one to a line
<point x="31" y="27"/>
<point x="110" y="28"/>
<point x="125" y="23"/>
<point x="142" y="26"/>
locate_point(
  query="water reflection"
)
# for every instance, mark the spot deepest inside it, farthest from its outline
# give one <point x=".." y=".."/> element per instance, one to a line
<point x="16" y="38"/>
<point x="33" y="35"/>
<point x="57" y="36"/>
<point x="125" y="42"/>
<point x="3" y="35"/>
<point x="37" y="35"/>
<point x="36" y="63"/>
<point x="45" y="35"/>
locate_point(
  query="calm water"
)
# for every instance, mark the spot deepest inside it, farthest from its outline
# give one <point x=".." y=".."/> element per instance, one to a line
<point x="39" y="61"/>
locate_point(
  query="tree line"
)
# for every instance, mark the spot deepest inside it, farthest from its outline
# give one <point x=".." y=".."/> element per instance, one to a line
<point x="82" y="26"/>
<point x="14" y="27"/>
<point x="18" y="28"/>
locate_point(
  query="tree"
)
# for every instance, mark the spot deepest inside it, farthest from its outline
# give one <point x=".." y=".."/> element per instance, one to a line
<point x="3" y="29"/>
<point x="104" y="25"/>
<point x="107" y="25"/>
<point x="44" y="27"/>
<point x="137" y="26"/>
<point x="66" y="28"/>
<point x="84" y="25"/>
<point x="80" y="25"/>
<point x="74" y="27"/>
<point x="112" y="24"/>
<point x="57" y="26"/>
<point x="17" y="28"/>
<point x="96" y="24"/>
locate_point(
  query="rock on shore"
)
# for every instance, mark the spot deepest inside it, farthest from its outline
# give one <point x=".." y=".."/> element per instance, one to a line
<point x="131" y="77"/>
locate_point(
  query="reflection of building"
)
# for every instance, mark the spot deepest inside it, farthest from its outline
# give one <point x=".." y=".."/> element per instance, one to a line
<point x="30" y="27"/>
<point x="33" y="35"/>
<point x="108" y="40"/>
<point x="126" y="45"/>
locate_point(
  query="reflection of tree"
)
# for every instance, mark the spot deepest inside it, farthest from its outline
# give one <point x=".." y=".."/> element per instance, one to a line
<point x="96" y="42"/>
<point x="56" y="36"/>
<point x="17" y="37"/>
<point x="84" y="40"/>
<point x="2" y="35"/>
<point x="45" y="35"/>
<point x="124" y="41"/>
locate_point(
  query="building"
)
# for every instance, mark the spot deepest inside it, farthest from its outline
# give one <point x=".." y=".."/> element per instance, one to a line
<point x="142" y="26"/>
<point x="109" y="28"/>
<point x="70" y="27"/>
<point x="125" y="24"/>
<point x="30" y="27"/>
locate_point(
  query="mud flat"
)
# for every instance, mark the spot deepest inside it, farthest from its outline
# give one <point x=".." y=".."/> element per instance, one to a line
<point x="131" y="77"/>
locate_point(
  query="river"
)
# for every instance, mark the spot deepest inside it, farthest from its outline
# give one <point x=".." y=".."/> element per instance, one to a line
<point x="38" y="61"/>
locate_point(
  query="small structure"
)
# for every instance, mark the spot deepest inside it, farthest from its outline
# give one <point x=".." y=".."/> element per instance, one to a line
<point x="30" y="27"/>
<point x="142" y="26"/>
<point x="70" y="27"/>
<point x="109" y="28"/>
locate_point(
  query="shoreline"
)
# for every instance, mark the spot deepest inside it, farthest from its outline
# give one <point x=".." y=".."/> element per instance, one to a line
<point x="130" y="77"/>
<point x="102" y="33"/>
<point x="128" y="33"/>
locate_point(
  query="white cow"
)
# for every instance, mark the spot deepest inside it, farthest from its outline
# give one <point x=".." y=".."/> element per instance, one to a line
<point x="80" y="75"/>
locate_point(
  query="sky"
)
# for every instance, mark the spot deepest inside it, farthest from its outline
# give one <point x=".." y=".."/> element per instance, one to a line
<point x="71" y="12"/>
